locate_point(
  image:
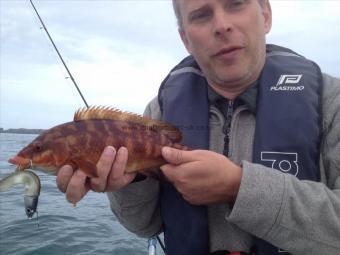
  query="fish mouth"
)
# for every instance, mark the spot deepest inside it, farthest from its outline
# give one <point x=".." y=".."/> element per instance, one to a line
<point x="20" y="162"/>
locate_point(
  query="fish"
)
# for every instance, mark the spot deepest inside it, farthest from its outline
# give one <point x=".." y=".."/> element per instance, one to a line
<point x="80" y="143"/>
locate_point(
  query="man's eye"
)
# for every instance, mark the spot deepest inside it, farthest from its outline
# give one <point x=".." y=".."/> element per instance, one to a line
<point x="234" y="4"/>
<point x="199" y="16"/>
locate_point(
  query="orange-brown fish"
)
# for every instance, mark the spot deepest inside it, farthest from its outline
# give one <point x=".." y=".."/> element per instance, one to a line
<point x="81" y="142"/>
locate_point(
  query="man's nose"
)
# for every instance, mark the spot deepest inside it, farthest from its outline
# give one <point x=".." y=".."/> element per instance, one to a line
<point x="222" y="24"/>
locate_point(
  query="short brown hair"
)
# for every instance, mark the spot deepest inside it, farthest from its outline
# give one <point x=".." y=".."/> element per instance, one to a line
<point x="178" y="12"/>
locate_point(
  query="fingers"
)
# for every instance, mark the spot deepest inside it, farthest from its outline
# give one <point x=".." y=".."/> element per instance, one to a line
<point x="63" y="178"/>
<point x="119" y="165"/>
<point x="177" y="157"/>
<point x="72" y="183"/>
<point x="170" y="172"/>
<point x="177" y="160"/>
<point x="103" y="169"/>
<point x="77" y="188"/>
<point x="118" y="178"/>
<point x="111" y="175"/>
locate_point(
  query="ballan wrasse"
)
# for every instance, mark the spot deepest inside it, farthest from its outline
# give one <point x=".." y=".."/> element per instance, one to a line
<point x="80" y="143"/>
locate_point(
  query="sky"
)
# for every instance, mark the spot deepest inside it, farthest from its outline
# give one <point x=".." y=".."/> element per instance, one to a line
<point x="119" y="51"/>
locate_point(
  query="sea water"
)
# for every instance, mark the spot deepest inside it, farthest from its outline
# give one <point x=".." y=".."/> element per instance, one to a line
<point x="88" y="228"/>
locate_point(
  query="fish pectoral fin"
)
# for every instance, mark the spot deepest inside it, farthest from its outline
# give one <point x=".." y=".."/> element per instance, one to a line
<point x="86" y="166"/>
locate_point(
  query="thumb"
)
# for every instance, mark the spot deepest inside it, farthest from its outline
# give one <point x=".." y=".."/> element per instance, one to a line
<point x="176" y="156"/>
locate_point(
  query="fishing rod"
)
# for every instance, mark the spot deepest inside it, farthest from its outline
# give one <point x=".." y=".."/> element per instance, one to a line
<point x="152" y="241"/>
<point x="61" y="58"/>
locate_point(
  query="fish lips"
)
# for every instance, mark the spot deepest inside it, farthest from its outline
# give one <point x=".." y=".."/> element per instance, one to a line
<point x="20" y="162"/>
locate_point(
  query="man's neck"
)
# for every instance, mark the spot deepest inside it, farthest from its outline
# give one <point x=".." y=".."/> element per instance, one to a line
<point x="230" y="93"/>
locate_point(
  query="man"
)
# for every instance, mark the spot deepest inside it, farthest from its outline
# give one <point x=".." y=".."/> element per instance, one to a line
<point x="276" y="119"/>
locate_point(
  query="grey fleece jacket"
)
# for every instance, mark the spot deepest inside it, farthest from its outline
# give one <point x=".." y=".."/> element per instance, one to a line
<point x="301" y="217"/>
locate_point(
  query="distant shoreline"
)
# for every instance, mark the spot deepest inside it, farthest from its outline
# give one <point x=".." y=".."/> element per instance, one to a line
<point x="32" y="131"/>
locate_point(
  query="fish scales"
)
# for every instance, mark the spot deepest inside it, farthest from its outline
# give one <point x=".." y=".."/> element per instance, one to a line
<point x="81" y="142"/>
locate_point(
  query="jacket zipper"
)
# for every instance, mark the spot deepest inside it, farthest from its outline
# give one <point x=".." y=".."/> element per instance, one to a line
<point x="227" y="127"/>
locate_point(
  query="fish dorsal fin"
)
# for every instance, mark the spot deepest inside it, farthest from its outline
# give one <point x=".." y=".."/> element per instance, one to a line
<point x="102" y="112"/>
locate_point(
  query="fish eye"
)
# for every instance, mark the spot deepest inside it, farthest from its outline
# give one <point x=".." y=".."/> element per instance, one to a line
<point x="38" y="147"/>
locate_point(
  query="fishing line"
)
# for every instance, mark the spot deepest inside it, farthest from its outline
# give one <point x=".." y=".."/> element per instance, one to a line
<point x="161" y="243"/>
<point x="60" y="57"/>
<point x="48" y="47"/>
<point x="37" y="218"/>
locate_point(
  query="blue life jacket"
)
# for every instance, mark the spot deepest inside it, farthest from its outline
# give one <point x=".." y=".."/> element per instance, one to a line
<point x="287" y="135"/>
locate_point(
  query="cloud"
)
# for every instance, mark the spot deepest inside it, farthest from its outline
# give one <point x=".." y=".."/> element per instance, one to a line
<point x="120" y="51"/>
<point x="114" y="62"/>
<point x="308" y="28"/>
<point x="124" y="74"/>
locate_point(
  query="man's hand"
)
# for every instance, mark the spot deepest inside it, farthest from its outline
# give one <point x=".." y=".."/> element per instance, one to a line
<point x="111" y="176"/>
<point x="202" y="177"/>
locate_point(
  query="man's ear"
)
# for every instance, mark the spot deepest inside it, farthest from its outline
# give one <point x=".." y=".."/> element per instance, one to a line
<point x="267" y="13"/>
<point x="184" y="39"/>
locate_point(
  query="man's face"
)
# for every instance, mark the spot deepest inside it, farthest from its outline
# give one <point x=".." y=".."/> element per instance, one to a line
<point x="227" y="38"/>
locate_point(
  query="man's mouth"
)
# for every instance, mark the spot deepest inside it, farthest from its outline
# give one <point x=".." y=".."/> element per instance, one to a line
<point x="227" y="52"/>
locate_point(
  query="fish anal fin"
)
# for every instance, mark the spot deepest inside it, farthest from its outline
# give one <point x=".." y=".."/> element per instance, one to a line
<point x="86" y="166"/>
